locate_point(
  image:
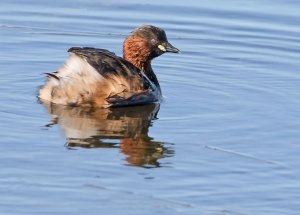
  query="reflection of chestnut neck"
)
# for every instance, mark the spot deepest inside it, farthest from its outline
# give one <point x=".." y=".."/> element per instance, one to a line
<point x="138" y="52"/>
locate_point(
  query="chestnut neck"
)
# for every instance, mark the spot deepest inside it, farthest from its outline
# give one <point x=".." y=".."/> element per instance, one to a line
<point x="138" y="52"/>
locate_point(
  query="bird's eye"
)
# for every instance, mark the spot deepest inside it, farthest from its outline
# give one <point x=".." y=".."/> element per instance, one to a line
<point x="153" y="41"/>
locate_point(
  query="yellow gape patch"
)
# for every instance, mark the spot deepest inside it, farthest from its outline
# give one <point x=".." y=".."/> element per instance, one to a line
<point x="161" y="47"/>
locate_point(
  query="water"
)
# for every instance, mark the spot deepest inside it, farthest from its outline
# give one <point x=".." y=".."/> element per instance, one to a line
<point x="224" y="141"/>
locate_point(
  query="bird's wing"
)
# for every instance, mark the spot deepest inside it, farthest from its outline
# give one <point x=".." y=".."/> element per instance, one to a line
<point x="138" y="89"/>
<point x="107" y="63"/>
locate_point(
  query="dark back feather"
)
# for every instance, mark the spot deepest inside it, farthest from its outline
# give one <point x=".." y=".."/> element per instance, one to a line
<point x="106" y="62"/>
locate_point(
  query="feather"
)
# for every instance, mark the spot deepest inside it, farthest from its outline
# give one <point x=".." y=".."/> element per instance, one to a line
<point x="52" y="75"/>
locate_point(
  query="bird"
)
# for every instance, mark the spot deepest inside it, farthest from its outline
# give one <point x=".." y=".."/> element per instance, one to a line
<point x="95" y="77"/>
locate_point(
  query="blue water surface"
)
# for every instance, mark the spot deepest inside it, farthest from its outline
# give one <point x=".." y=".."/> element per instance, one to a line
<point x="225" y="140"/>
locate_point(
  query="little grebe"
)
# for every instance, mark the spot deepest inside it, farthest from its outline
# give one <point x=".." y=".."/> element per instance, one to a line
<point x="97" y="77"/>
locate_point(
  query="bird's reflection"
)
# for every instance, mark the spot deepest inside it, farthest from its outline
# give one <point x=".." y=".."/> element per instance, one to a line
<point x="125" y="128"/>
